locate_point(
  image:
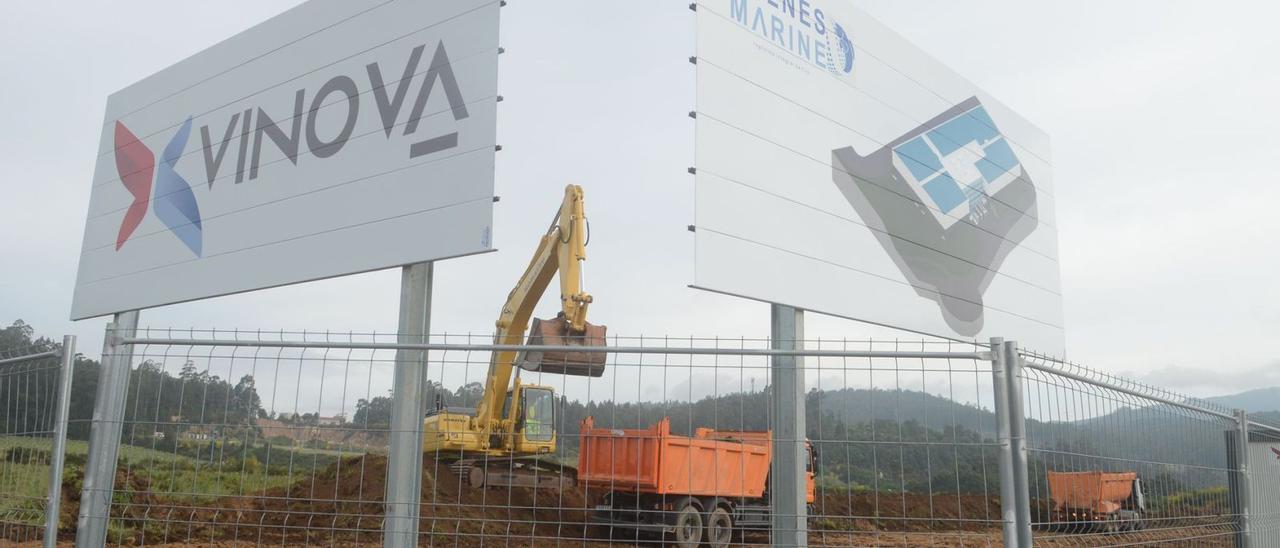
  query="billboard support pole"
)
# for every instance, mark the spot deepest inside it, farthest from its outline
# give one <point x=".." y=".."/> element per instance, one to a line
<point x="787" y="472"/>
<point x="1004" y="434"/>
<point x="1018" y="440"/>
<point x="104" y="434"/>
<point x="1242" y="475"/>
<point x="408" y="406"/>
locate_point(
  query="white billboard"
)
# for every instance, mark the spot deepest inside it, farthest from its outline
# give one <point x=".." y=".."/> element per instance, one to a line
<point x="341" y="136"/>
<point x="842" y="170"/>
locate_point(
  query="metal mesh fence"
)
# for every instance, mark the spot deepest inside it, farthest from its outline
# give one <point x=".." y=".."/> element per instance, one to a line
<point x="1113" y="462"/>
<point x="908" y="449"/>
<point x="254" y="445"/>
<point x="29" y="404"/>
<point x="283" y="438"/>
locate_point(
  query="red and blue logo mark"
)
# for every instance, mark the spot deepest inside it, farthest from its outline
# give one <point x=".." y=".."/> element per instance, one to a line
<point x="170" y="198"/>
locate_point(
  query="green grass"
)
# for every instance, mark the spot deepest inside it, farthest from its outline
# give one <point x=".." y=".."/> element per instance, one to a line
<point x="128" y="453"/>
<point x="24" y="478"/>
<point x="177" y="478"/>
<point x="204" y="484"/>
<point x="190" y="477"/>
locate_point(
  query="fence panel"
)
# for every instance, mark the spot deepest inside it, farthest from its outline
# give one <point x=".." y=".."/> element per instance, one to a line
<point x="1090" y="435"/>
<point x="909" y="448"/>
<point x="34" y="387"/>
<point x="250" y="438"/>
<point x="241" y="443"/>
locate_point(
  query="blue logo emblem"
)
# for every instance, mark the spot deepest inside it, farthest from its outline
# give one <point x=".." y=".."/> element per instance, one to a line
<point x="846" y="48"/>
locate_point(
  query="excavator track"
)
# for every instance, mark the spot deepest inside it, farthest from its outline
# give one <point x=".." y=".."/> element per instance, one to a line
<point x="528" y="472"/>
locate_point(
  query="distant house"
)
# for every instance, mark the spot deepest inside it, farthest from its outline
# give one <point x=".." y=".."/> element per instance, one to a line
<point x="351" y="437"/>
<point x="200" y="433"/>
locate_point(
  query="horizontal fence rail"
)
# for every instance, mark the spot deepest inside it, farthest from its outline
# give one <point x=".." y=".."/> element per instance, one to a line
<point x="477" y="347"/>
<point x="18" y="357"/>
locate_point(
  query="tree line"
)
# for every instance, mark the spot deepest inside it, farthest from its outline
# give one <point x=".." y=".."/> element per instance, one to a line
<point x="160" y="407"/>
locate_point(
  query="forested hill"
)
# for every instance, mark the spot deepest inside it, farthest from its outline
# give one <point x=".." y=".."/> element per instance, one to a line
<point x="749" y="411"/>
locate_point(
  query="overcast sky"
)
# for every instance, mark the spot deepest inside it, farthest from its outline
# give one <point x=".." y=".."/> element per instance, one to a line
<point x="1162" y="115"/>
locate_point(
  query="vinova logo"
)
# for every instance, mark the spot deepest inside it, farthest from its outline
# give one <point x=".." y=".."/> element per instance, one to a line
<point x="801" y="28"/>
<point x="948" y="201"/>
<point x="174" y="202"/>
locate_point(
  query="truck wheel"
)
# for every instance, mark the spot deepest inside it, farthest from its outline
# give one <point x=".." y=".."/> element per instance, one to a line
<point x="719" y="528"/>
<point x="688" y="525"/>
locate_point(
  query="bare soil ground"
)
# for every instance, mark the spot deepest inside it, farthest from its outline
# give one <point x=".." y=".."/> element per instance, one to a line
<point x="342" y="506"/>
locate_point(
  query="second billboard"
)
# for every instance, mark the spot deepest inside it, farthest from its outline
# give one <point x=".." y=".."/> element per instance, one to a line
<point x="842" y="170"/>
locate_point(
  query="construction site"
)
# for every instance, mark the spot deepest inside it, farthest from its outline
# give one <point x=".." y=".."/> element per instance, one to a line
<point x="723" y="273"/>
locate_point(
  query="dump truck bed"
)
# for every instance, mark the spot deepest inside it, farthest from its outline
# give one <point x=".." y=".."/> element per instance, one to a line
<point x="1100" y="492"/>
<point x="652" y="460"/>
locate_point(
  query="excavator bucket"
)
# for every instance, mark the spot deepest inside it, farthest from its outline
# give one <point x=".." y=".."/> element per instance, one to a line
<point x="588" y="362"/>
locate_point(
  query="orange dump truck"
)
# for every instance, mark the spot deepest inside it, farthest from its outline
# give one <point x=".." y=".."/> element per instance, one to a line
<point x="1110" y="500"/>
<point x="699" y="488"/>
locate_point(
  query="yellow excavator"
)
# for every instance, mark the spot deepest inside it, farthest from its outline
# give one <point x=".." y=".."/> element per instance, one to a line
<point x="507" y="438"/>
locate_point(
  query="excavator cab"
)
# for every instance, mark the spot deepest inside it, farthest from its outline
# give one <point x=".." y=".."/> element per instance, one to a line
<point x="534" y="419"/>
<point x="538" y="415"/>
<point x="588" y="362"/>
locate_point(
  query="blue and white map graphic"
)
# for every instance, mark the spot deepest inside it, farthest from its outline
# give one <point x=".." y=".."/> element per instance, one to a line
<point x="948" y="201"/>
<point x="957" y="164"/>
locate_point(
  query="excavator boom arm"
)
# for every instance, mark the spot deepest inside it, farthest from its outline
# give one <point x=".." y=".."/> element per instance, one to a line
<point x="562" y="248"/>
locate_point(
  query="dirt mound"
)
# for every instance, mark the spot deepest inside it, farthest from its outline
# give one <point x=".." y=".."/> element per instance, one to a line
<point x="907" y="512"/>
<point x="342" y="504"/>
<point x="349" y="497"/>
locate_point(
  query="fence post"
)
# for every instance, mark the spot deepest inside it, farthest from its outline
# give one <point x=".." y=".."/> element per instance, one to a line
<point x="1004" y="433"/>
<point x="1018" y="442"/>
<point x="787" y="473"/>
<point x="408" y="405"/>
<point x="53" y="507"/>
<point x="104" y="435"/>
<point x="1242" y="476"/>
